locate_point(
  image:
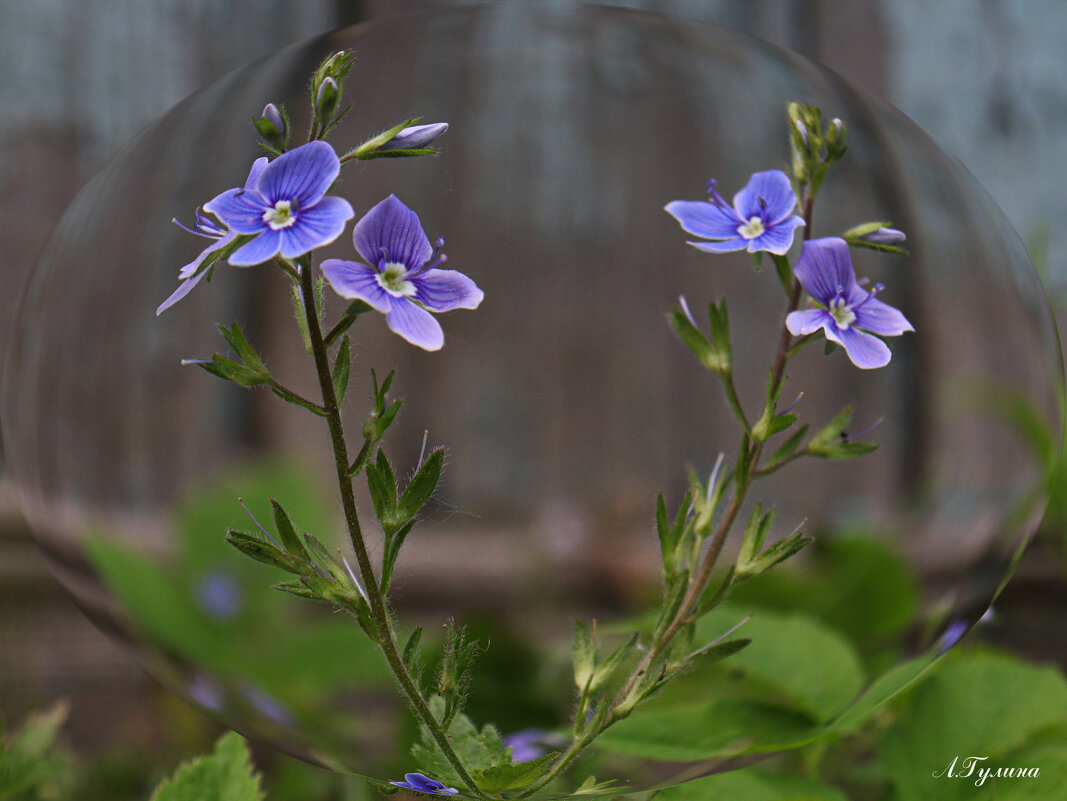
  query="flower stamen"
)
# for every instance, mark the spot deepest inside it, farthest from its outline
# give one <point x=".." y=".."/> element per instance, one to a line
<point x="281" y="216"/>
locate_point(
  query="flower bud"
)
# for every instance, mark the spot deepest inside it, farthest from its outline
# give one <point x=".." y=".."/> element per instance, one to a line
<point x="273" y="126"/>
<point x="885" y="236"/>
<point x="835" y="139"/>
<point x="326" y="99"/>
<point x="416" y="137"/>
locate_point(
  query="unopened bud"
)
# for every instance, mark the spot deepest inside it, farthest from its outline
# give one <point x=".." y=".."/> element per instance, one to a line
<point x="885" y="236"/>
<point x="326" y="99"/>
<point x="416" y="137"/>
<point x="274" y="117"/>
<point x="835" y="139"/>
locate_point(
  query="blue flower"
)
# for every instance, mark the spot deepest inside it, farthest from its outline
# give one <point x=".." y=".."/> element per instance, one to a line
<point x="191" y="273"/>
<point x="402" y="281"/>
<point x="424" y="784"/>
<point x="761" y="217"/>
<point x="285" y="207"/>
<point x="848" y="314"/>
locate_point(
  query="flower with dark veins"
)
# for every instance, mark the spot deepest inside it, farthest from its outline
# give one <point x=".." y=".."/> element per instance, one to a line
<point x="424" y="784"/>
<point x="285" y="208"/>
<point x="760" y="219"/>
<point x="847" y="313"/>
<point x="191" y="273"/>
<point x="400" y="278"/>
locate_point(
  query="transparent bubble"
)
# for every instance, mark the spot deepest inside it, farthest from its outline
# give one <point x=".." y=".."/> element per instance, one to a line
<point x="565" y="402"/>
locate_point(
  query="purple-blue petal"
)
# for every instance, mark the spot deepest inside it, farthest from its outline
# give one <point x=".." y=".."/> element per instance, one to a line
<point x="256" y="251"/>
<point x="881" y="318"/>
<point x="257" y="169"/>
<point x="776" y="238"/>
<point x="865" y="351"/>
<point x="704" y="218"/>
<point x="773" y="187"/>
<point x="807" y="321"/>
<point x="316" y="226"/>
<point x="184" y="288"/>
<point x="240" y="209"/>
<point x="356" y="281"/>
<point x="301" y="175"/>
<point x="444" y="290"/>
<point x="189" y="270"/>
<point x="726" y="246"/>
<point x="415" y="324"/>
<point x="395" y="229"/>
<point x="824" y="266"/>
<point x="424" y="784"/>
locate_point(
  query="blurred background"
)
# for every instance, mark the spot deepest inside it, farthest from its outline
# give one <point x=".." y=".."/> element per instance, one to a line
<point x="985" y="78"/>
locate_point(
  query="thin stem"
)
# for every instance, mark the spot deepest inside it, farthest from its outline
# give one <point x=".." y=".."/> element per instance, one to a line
<point x="774" y="468"/>
<point x="735" y="401"/>
<point x="348" y="502"/>
<point x="310" y="404"/>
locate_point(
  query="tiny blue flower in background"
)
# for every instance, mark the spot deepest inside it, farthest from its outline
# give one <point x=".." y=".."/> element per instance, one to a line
<point x="219" y="594"/>
<point x="285" y="206"/>
<point x="761" y="217"/>
<point x="529" y="744"/>
<point x="401" y="281"/>
<point x="952" y="635"/>
<point x="416" y="136"/>
<point x="849" y="314"/>
<point x="424" y="784"/>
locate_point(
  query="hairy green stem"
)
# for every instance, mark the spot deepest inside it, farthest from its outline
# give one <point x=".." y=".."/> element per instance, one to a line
<point x="376" y="601"/>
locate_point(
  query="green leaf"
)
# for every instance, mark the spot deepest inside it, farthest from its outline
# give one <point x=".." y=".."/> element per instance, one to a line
<point x="382" y="485"/>
<point x="30" y="767"/>
<point x="583" y="655"/>
<point x="513" y="776"/>
<point x="694" y="339"/>
<point x="253" y="546"/>
<point x="284" y="526"/>
<point x="225" y="775"/>
<point x="236" y="339"/>
<point x="421" y="486"/>
<point x="752" y="785"/>
<point x="605" y="670"/>
<point x="341" y="368"/>
<point x="832" y="441"/>
<point x="479" y="750"/>
<point x="884" y="689"/>
<point x="411" y="648"/>
<point x="232" y="371"/>
<point x="711" y="728"/>
<point x="301" y="320"/>
<point x="984" y="705"/>
<point x="790" y="445"/>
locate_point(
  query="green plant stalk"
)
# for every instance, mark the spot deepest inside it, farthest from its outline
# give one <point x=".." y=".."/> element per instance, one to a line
<point x="699" y="583"/>
<point x="348" y="502"/>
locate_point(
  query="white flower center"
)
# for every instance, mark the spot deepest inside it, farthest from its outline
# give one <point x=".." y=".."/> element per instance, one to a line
<point x="281" y="216"/>
<point x="751" y="229"/>
<point x="842" y="314"/>
<point x="392" y="280"/>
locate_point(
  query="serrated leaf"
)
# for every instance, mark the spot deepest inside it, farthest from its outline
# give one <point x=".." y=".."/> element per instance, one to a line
<point x="421" y="486"/>
<point x="225" y="775"/>
<point x="515" y="776"/>
<point x="341" y="369"/>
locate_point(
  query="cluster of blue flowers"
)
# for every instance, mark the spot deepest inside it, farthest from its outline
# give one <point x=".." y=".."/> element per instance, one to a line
<point x="762" y="219"/>
<point x="284" y="210"/>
